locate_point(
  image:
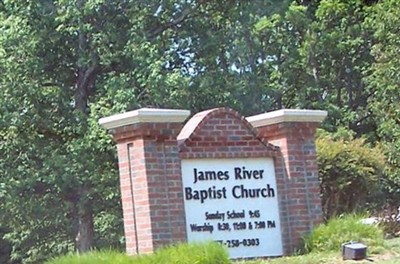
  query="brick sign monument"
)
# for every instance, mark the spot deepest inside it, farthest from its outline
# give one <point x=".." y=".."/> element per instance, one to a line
<point x="250" y="184"/>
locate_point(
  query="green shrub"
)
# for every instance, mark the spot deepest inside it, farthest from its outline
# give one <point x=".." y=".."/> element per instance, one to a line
<point x="331" y="236"/>
<point x="197" y="253"/>
<point x="350" y="172"/>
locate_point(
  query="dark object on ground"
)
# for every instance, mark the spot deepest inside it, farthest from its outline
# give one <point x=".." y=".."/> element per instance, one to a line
<point x="354" y="251"/>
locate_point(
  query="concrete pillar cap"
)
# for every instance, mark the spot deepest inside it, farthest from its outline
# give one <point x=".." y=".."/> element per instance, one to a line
<point x="144" y="115"/>
<point x="287" y="115"/>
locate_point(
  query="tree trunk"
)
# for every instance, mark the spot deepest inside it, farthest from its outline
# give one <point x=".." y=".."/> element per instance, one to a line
<point x="82" y="218"/>
<point x="84" y="221"/>
<point x="85" y="87"/>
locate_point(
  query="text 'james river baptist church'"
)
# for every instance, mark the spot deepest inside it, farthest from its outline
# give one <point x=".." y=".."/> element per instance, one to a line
<point x="237" y="191"/>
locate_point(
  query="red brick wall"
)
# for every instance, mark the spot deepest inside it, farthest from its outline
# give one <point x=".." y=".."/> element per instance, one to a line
<point x="222" y="133"/>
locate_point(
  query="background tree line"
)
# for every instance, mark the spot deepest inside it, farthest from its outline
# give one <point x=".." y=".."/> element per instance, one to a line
<point x="66" y="63"/>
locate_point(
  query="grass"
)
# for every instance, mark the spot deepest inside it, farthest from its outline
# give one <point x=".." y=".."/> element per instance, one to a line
<point x="323" y="246"/>
<point x="330" y="237"/>
<point x="194" y="253"/>
<point x="389" y="255"/>
<point x="98" y="257"/>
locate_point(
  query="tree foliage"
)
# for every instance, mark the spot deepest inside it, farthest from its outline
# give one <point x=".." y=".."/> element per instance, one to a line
<point x="66" y="63"/>
<point x="63" y="65"/>
<point x="384" y="80"/>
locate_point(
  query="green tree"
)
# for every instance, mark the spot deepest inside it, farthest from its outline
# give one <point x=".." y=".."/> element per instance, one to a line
<point x="316" y="55"/>
<point x="337" y="53"/>
<point x="280" y="38"/>
<point x="66" y="63"/>
<point x="384" y="80"/>
<point x="58" y="170"/>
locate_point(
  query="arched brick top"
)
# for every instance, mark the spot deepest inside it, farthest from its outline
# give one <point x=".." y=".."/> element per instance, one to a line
<point x="222" y="133"/>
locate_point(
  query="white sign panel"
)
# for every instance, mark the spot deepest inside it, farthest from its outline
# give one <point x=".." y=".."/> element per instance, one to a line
<point x="233" y="202"/>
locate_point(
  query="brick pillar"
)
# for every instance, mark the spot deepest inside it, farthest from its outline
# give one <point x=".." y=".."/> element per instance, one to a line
<point x="150" y="176"/>
<point x="296" y="169"/>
